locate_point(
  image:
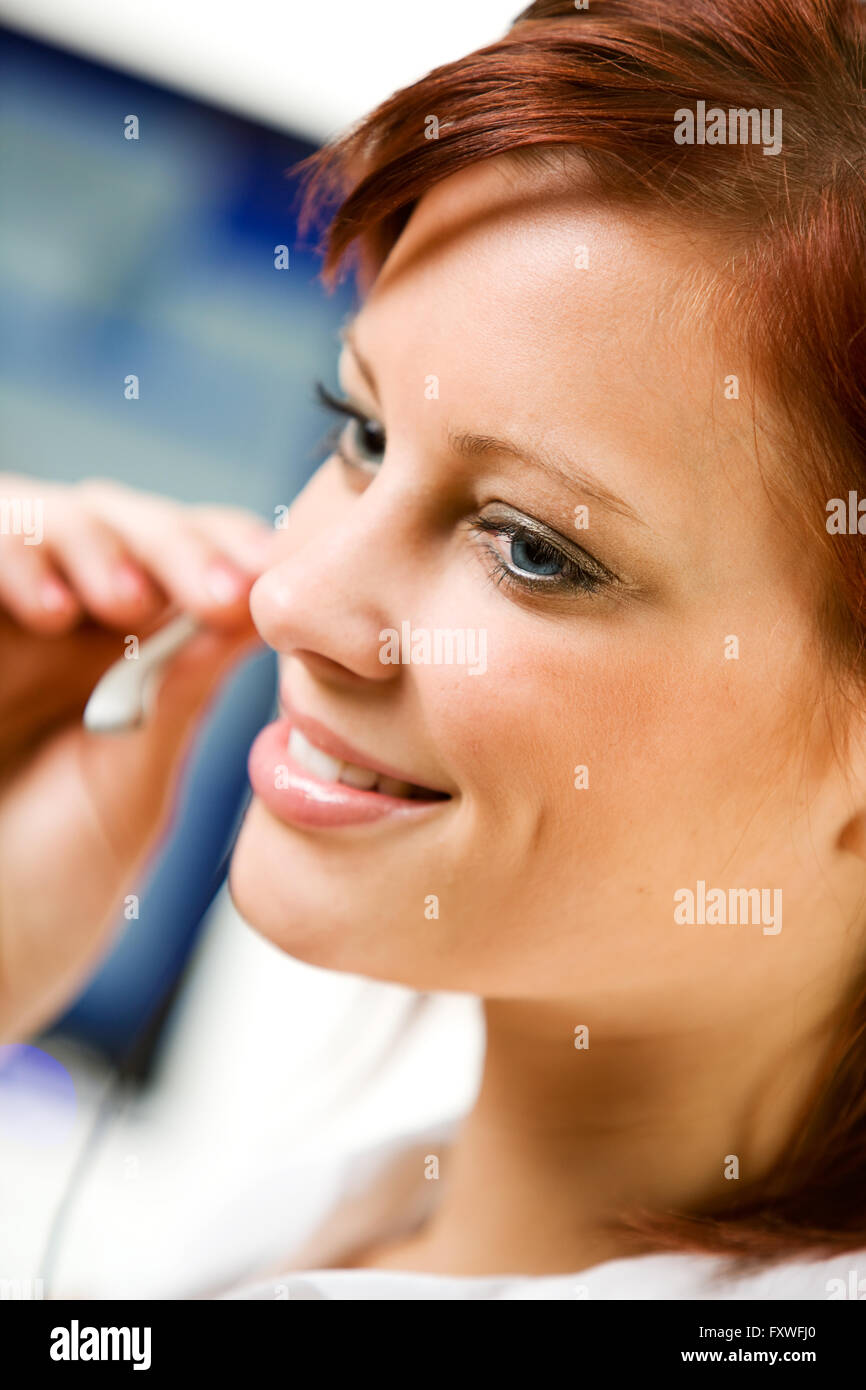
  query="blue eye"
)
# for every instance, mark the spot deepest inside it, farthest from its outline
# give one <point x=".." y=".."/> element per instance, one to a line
<point x="534" y="557"/>
<point x="527" y="556"/>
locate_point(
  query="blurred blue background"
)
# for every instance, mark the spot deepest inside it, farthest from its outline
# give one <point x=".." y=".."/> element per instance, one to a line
<point x="156" y="257"/>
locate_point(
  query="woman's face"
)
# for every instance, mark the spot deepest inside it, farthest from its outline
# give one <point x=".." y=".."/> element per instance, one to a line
<point x="569" y="488"/>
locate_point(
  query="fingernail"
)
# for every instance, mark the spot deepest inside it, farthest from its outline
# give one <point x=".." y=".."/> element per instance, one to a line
<point x="129" y="582"/>
<point x="224" y="585"/>
<point x="53" y="595"/>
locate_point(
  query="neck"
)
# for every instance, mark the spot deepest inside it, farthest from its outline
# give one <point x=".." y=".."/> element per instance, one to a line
<point x="560" y="1140"/>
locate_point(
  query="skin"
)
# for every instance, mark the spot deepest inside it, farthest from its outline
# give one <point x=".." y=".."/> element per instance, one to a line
<point x="556" y="904"/>
<point x="80" y="813"/>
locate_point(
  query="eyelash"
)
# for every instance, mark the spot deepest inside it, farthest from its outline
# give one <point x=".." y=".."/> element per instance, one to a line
<point x="575" y="576"/>
<point x="585" y="576"/>
<point x="333" y="441"/>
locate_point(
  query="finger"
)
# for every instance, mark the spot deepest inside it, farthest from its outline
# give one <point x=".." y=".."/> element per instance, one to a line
<point x="32" y="590"/>
<point x="246" y="539"/>
<point x="96" y="563"/>
<point x="198" y="577"/>
<point x="189" y="567"/>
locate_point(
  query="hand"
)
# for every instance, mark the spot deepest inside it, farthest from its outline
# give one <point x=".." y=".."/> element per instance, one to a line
<point x="79" y="812"/>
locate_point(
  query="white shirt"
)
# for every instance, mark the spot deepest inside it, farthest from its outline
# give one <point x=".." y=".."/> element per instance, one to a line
<point x="384" y="1193"/>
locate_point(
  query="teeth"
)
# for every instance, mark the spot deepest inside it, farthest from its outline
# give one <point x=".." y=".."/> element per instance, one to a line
<point x="312" y="759"/>
<point x="364" y="778"/>
<point x="328" y="769"/>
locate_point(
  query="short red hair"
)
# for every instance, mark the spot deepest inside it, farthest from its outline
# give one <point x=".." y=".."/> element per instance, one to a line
<point x="791" y="283"/>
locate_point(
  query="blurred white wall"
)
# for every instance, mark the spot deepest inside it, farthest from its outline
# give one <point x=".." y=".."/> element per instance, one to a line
<point x="307" y="66"/>
<point x="271" y="1070"/>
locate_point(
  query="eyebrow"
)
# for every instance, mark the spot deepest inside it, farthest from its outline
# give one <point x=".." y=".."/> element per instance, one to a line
<point x="468" y="445"/>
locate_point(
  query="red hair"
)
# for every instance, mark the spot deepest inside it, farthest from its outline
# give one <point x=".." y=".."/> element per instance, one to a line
<point x="791" y="283"/>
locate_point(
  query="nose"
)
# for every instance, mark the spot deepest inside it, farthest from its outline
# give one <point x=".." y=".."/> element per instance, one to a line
<point x="327" y="601"/>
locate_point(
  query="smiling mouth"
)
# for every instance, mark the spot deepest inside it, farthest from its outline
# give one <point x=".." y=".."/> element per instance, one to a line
<point x="329" y="770"/>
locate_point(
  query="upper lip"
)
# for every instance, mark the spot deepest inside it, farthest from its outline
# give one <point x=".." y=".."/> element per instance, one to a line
<point x="323" y="738"/>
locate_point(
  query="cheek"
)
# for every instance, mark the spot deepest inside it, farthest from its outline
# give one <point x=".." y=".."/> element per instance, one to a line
<point x="549" y="702"/>
<point x="602" y="748"/>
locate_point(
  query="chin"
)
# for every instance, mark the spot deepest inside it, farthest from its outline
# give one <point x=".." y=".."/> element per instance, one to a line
<point x="315" y="906"/>
<point x="274" y="884"/>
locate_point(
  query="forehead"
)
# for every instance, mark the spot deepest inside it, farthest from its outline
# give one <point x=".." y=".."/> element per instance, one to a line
<point x="541" y="257"/>
<point x="544" y="314"/>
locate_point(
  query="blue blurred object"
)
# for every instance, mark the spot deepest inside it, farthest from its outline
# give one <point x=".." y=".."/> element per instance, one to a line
<point x="156" y="257"/>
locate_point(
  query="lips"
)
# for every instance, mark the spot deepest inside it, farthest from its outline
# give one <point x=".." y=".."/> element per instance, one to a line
<point x="307" y="776"/>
